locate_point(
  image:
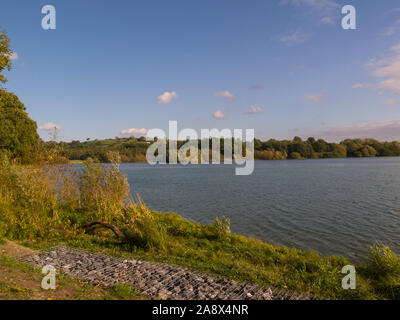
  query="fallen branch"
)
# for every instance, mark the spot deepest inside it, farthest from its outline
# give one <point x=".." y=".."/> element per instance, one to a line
<point x="92" y="227"/>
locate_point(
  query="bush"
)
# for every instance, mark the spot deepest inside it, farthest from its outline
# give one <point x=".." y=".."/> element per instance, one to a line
<point x="222" y="227"/>
<point x="383" y="263"/>
<point x="103" y="190"/>
<point x="28" y="201"/>
<point x="384" y="268"/>
<point x="141" y="229"/>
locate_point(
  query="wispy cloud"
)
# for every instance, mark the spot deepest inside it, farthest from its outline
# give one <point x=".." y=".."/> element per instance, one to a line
<point x="362" y="85"/>
<point x="385" y="130"/>
<point x="327" y="20"/>
<point x="225" y="94"/>
<point x="391" y="30"/>
<point x="50" y="126"/>
<point x="133" y="131"/>
<point x="391" y="102"/>
<point x="324" y="10"/>
<point x="167" y="97"/>
<point x="13" y="56"/>
<point x="388" y="70"/>
<point x="315" y="98"/>
<point x="253" y="110"/>
<point x="294" y="38"/>
<point x="219" y="115"/>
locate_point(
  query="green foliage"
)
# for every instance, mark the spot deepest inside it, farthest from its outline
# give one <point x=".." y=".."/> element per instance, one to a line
<point x="28" y="201"/>
<point x="222" y="227"/>
<point x="36" y="201"/>
<point x="5" y="53"/>
<point x="18" y="136"/>
<point x="384" y="269"/>
<point x="103" y="189"/>
<point x="295" y="155"/>
<point x="123" y="292"/>
<point x="134" y="150"/>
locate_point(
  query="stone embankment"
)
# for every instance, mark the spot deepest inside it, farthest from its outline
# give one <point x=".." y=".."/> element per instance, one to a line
<point x="151" y="279"/>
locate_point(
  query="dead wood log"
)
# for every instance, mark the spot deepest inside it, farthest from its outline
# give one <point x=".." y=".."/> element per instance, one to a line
<point x="92" y="227"/>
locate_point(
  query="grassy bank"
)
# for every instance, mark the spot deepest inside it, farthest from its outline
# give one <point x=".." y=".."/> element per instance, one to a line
<point x="19" y="281"/>
<point x="45" y="206"/>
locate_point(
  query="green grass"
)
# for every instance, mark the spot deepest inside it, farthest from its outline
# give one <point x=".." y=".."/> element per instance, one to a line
<point x="202" y="248"/>
<point x="20" y="281"/>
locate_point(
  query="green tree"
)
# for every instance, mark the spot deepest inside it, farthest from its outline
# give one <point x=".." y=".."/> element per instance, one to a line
<point x="295" y="155"/>
<point x="18" y="133"/>
<point x="5" y="54"/>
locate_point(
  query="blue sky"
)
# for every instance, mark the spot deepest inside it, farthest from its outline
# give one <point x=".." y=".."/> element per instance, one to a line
<point x="284" y="68"/>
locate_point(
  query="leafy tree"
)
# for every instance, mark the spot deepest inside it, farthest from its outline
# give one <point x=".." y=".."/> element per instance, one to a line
<point x="295" y="155"/>
<point x="311" y="140"/>
<point x="5" y="54"/>
<point x="18" y="133"/>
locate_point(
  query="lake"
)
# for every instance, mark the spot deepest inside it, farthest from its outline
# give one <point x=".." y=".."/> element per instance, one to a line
<point x="333" y="206"/>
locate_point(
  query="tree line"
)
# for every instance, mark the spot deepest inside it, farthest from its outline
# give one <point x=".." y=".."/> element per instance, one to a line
<point x="134" y="149"/>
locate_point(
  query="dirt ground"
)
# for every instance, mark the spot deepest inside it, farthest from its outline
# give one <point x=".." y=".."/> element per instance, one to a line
<point x="19" y="281"/>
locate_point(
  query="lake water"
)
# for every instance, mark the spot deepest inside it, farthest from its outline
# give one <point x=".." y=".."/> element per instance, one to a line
<point x="334" y="206"/>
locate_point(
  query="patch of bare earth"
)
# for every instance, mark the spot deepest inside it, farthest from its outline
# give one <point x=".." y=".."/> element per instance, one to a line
<point x="13" y="250"/>
<point x="21" y="281"/>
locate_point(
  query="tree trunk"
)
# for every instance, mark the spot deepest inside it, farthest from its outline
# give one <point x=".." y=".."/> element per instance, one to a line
<point x="91" y="228"/>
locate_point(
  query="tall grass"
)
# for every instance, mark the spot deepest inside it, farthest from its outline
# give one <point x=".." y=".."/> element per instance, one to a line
<point x="37" y="202"/>
<point x="383" y="269"/>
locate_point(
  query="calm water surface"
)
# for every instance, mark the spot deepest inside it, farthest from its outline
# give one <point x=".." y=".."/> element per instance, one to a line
<point x="334" y="206"/>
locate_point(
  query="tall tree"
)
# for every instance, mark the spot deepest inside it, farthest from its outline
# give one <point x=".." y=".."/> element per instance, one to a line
<point x="18" y="132"/>
<point x="5" y="54"/>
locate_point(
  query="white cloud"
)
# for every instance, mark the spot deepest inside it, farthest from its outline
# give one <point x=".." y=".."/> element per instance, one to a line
<point x="325" y="10"/>
<point x="134" y="131"/>
<point x="254" y="109"/>
<point x="316" y="98"/>
<point x="385" y="130"/>
<point x="318" y="5"/>
<point x="327" y="20"/>
<point x="225" y="94"/>
<point x="362" y="85"/>
<point x="13" y="56"/>
<point x="294" y="38"/>
<point x="219" y="115"/>
<point x="388" y="70"/>
<point x="167" y="97"/>
<point x="315" y="4"/>
<point x="50" y="127"/>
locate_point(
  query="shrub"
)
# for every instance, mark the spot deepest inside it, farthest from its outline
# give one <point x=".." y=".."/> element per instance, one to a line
<point x="141" y="229"/>
<point x="383" y="263"/>
<point x="222" y="227"/>
<point x="384" y="268"/>
<point x="28" y="201"/>
<point x="103" y="189"/>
